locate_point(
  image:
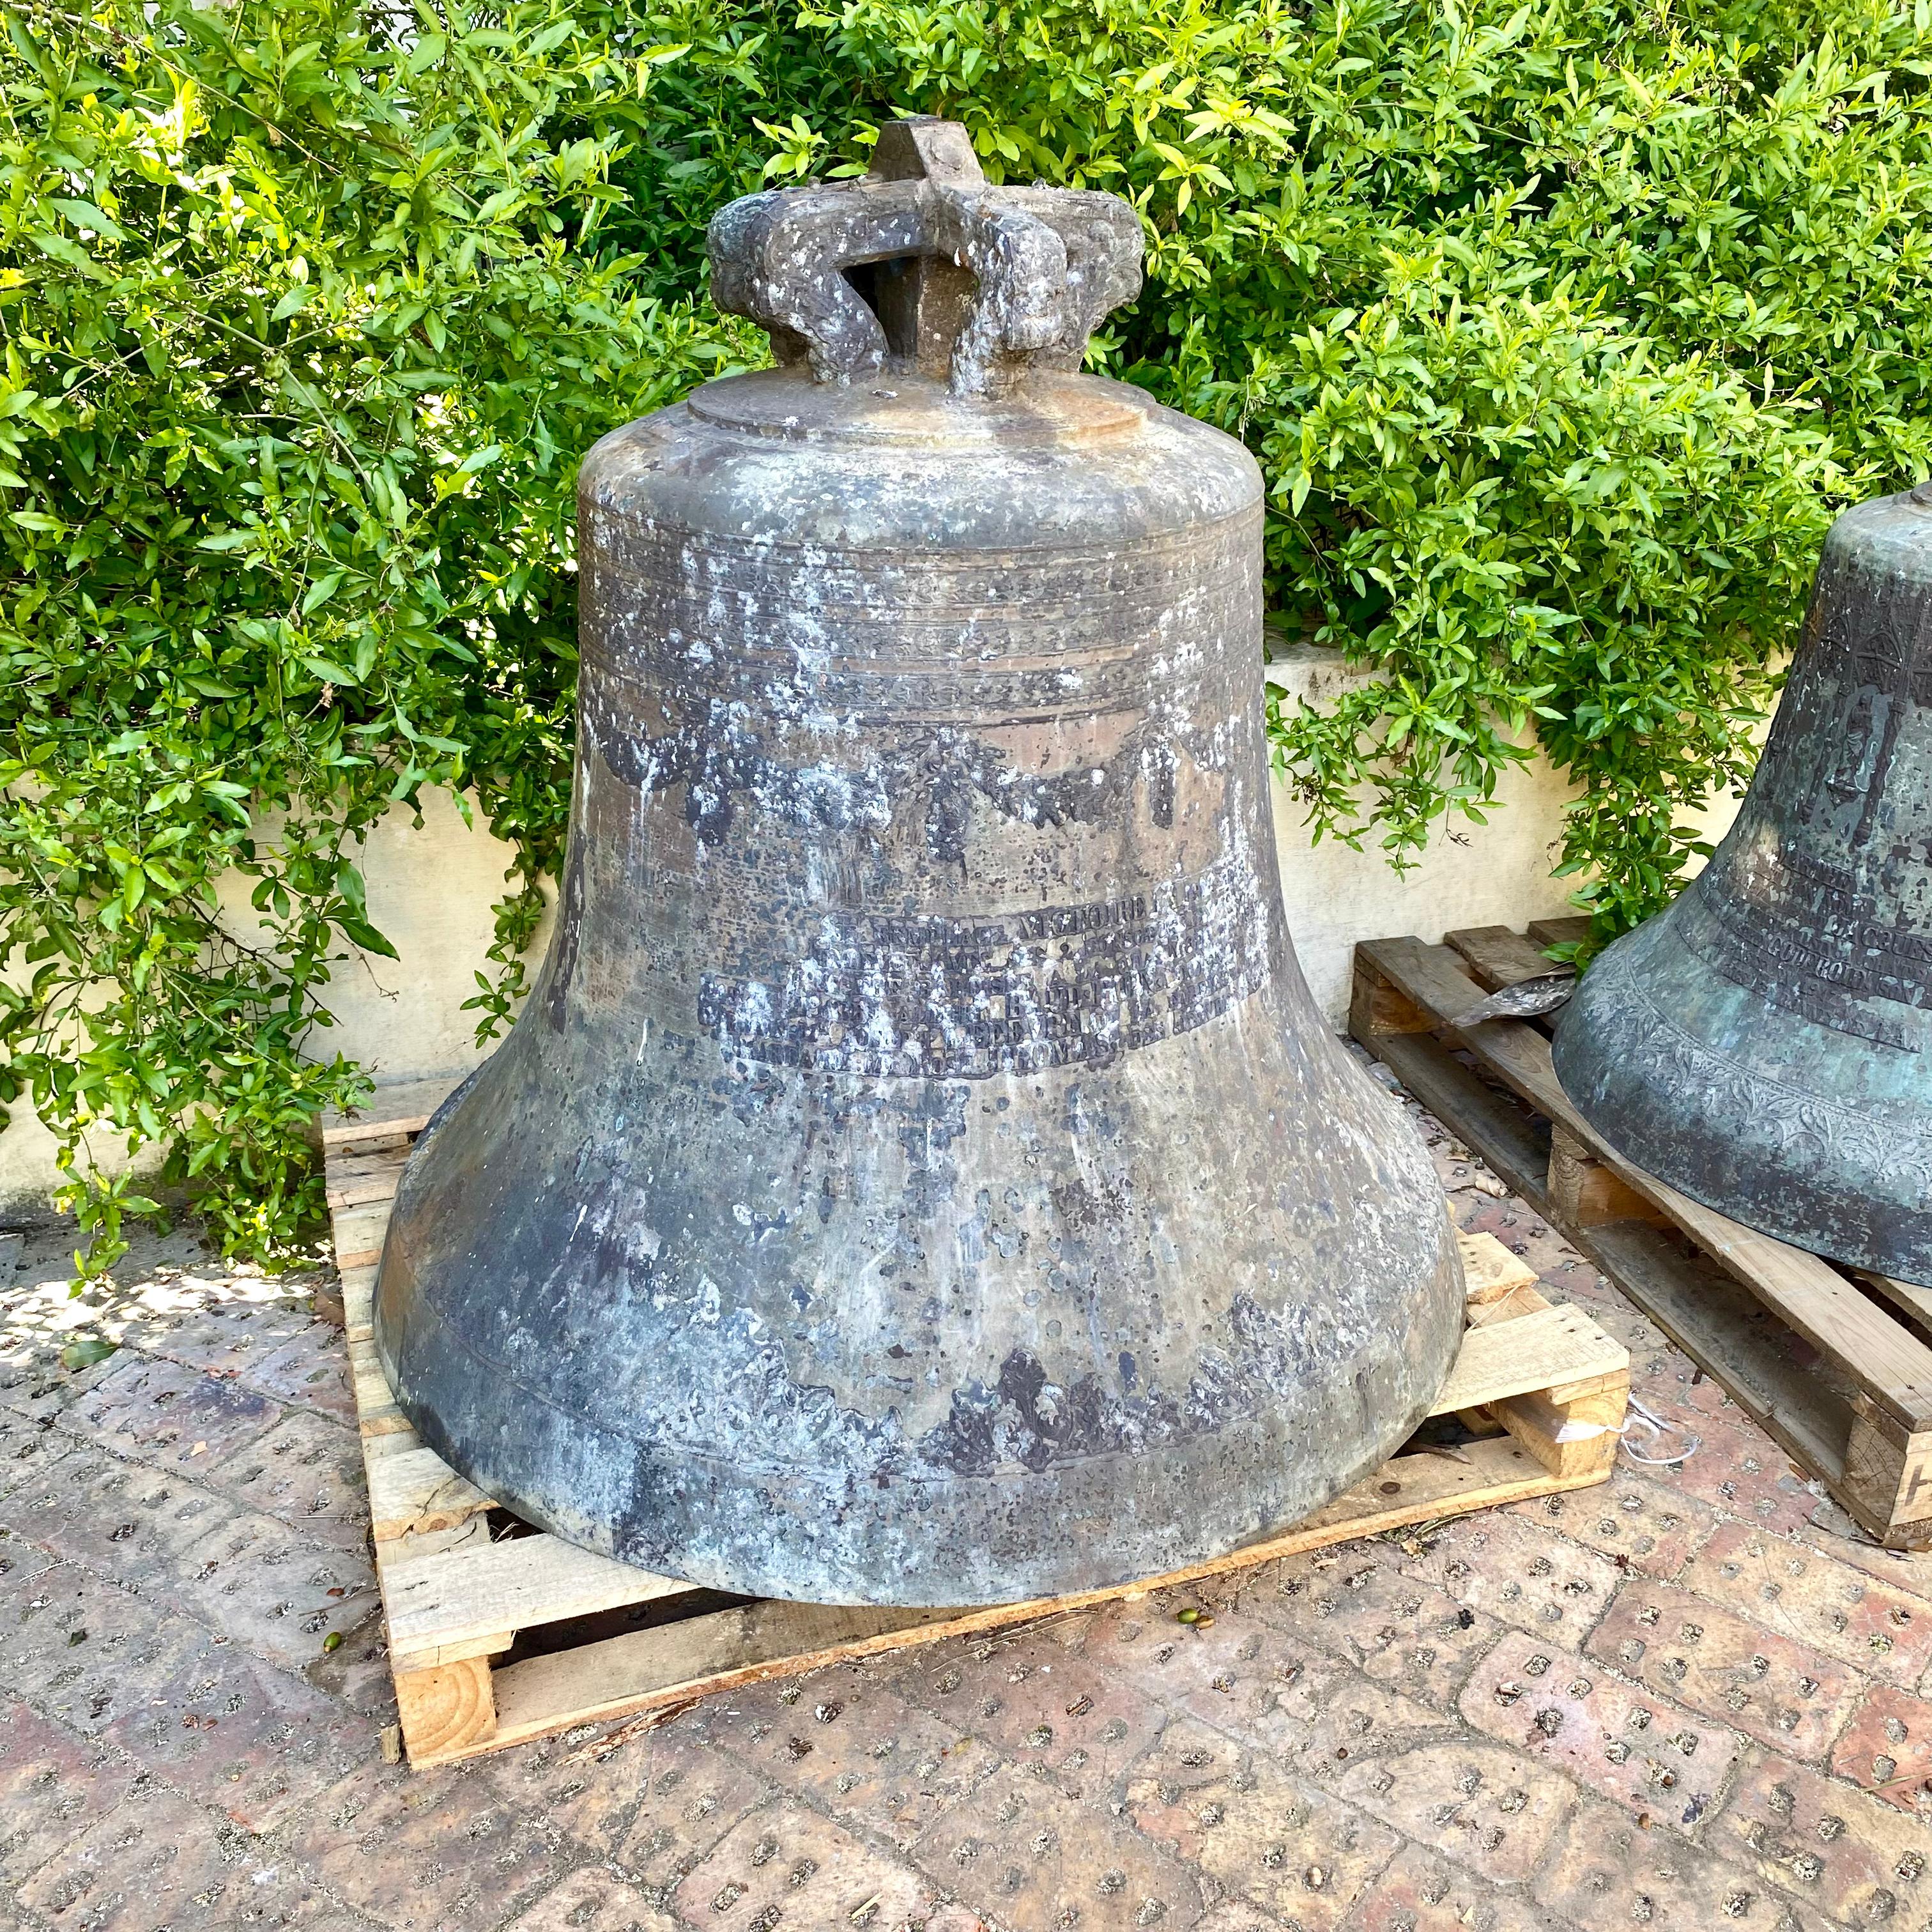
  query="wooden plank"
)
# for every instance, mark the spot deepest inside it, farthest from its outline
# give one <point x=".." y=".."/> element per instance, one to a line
<point x="1882" y="1354"/>
<point x="359" y="1302"/>
<point x="1879" y="1353"/>
<point x="440" y="1605"/>
<point x="1489" y="1270"/>
<point x="416" y="1489"/>
<point x="1432" y="977"/>
<point x="1583" y="1190"/>
<point x="1376" y="1008"/>
<point x="357" y="1234"/>
<point x="1717" y="1322"/>
<point x="1577" y="1436"/>
<point x="620" y="1675"/>
<point x="377" y="1413"/>
<point x="1515" y="1146"/>
<point x="674" y="1662"/>
<point x="1570" y="931"/>
<point x="1527" y="1299"/>
<point x="1907" y="1296"/>
<point x="1890" y="1472"/>
<point x="403" y="1108"/>
<point x="356" y="1179"/>
<point x="1542" y="1350"/>
<point x="1499" y="957"/>
<point x="446" y="1712"/>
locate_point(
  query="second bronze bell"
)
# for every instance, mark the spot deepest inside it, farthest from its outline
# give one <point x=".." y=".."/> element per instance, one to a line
<point x="919" y="1175"/>
<point x="1765" y="1045"/>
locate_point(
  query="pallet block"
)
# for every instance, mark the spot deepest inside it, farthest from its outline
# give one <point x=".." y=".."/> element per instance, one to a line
<point x="1543" y="1386"/>
<point x="1857" y="1414"/>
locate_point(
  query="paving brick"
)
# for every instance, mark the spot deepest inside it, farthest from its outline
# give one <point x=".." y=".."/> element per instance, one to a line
<point x="859" y="1751"/>
<point x="1044" y="1710"/>
<point x="1412" y="1636"/>
<point x="1031" y="1859"/>
<point x="164" y="1413"/>
<point x="155" y="1861"/>
<point x="594" y="1899"/>
<point x="1830" y="1846"/>
<point x="1783" y="1693"/>
<point x="258" y="1581"/>
<point x="1609" y="1873"/>
<point x="307" y="1471"/>
<point x="20" y="1559"/>
<point x="310" y="1370"/>
<point x="788" y="1863"/>
<point x="85" y="1652"/>
<point x="52" y="1785"/>
<point x="1422" y="1892"/>
<point x="1643" y="1751"/>
<point x="26" y="1447"/>
<point x="421" y="1853"/>
<point x="692" y="1793"/>
<point x="1282" y="1843"/>
<point x="1234" y="1915"/>
<point x="1830" y="1529"/>
<point x="1737" y="1469"/>
<point x="1244" y="1676"/>
<point x="122" y="1519"/>
<point x="229" y="1729"/>
<point x="1515" y="1570"/>
<point x="356" y="1672"/>
<point x="245" y="1575"/>
<point x="591" y="1796"/>
<point x="1887" y="1749"/>
<point x="1488" y="1808"/>
<point x="1637" y="1523"/>
<point x="1832" y="1606"/>
<point x="220" y="1333"/>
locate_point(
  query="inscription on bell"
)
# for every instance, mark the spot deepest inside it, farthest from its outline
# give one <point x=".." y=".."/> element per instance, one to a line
<point x="1066" y="986"/>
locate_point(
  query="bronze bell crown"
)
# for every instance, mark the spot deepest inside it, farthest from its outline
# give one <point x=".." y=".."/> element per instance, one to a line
<point x="1766" y="1045"/>
<point x="919" y="1174"/>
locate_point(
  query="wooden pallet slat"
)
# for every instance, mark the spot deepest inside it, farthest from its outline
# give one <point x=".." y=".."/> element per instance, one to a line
<point x="1497" y="957"/>
<point x="455" y="1595"/>
<point x="416" y="1489"/>
<point x="1494" y="1086"/>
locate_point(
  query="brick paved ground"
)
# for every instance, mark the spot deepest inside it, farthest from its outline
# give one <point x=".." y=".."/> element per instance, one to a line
<point x="1691" y="1699"/>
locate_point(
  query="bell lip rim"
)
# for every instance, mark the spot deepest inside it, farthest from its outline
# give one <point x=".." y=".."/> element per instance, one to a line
<point x="520" y="1501"/>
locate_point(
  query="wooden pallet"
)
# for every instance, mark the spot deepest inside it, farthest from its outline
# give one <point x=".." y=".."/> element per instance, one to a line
<point x="1833" y="1364"/>
<point x="499" y="1633"/>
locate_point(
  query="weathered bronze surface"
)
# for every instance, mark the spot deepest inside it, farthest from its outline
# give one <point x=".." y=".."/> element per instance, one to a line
<point x="1766" y="1045"/>
<point x="919" y="1174"/>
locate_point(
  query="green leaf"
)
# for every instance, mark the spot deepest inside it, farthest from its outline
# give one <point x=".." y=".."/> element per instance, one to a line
<point x="83" y="214"/>
<point x="85" y="1352"/>
<point x="320" y="591"/>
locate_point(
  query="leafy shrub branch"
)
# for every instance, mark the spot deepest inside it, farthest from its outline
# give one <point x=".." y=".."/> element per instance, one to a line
<point x="1562" y="330"/>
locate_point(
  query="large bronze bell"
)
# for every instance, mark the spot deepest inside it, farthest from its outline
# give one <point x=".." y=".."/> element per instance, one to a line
<point x="919" y="1175"/>
<point x="1766" y="1045"/>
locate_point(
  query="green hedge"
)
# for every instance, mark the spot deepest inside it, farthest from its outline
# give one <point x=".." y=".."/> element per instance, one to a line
<point x="1561" y="332"/>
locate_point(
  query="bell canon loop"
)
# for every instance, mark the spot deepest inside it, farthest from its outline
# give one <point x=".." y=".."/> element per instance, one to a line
<point x="1765" y="1044"/>
<point x="919" y="1174"/>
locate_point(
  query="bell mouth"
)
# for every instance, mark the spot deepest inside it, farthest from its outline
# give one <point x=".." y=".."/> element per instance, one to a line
<point x="1743" y="1104"/>
<point x="1048" y="411"/>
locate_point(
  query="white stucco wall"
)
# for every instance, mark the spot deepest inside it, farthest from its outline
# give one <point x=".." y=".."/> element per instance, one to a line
<point x="431" y="887"/>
